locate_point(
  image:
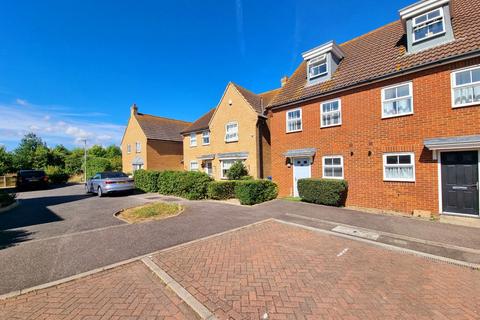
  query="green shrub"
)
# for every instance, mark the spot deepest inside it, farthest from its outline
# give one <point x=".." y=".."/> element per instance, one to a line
<point x="255" y="191"/>
<point x="237" y="171"/>
<point x="146" y="180"/>
<point x="191" y="185"/>
<point x="329" y="192"/>
<point x="6" y="199"/>
<point x="56" y="174"/>
<point x="96" y="165"/>
<point x="220" y="190"/>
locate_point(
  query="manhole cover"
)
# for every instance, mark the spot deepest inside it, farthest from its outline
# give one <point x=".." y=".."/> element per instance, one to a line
<point x="153" y="198"/>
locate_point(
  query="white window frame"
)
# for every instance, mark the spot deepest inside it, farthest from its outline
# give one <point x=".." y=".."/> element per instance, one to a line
<point x="314" y="60"/>
<point x="222" y="162"/>
<point x="339" y="110"/>
<point x="332" y="166"/>
<point x="410" y="88"/>
<point x="426" y="23"/>
<point x="205" y="134"/>
<point x="286" y="120"/>
<point x="138" y="147"/>
<point x="129" y="148"/>
<point x="235" y="139"/>
<point x="454" y="86"/>
<point x="193" y="139"/>
<point x="385" y="165"/>
<point x="194" y="162"/>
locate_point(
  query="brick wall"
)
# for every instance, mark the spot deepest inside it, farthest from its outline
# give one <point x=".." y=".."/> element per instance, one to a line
<point x="364" y="136"/>
<point x="164" y="155"/>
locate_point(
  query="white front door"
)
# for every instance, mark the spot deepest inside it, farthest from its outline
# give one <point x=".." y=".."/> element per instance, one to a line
<point x="301" y="170"/>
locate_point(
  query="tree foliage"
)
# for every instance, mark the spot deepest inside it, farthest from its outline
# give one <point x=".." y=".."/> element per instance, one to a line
<point x="33" y="153"/>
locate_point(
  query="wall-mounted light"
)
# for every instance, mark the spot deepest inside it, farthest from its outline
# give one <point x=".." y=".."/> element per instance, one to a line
<point x="230" y="102"/>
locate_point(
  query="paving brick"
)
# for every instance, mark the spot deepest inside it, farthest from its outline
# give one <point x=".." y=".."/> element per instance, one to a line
<point x="127" y="292"/>
<point x="302" y="278"/>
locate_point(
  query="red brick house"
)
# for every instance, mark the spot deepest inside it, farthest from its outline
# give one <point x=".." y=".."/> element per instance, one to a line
<point x="395" y="112"/>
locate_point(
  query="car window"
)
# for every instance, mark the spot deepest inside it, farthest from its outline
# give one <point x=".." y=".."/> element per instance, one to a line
<point x="97" y="176"/>
<point x="109" y="175"/>
<point x="32" y="174"/>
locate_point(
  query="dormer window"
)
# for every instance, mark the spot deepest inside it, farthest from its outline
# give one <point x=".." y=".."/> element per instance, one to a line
<point x="317" y="67"/>
<point x="428" y="25"/>
<point x="322" y="62"/>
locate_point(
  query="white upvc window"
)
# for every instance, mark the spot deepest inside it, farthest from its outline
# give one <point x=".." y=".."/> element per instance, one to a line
<point x="428" y="25"/>
<point x="224" y="166"/>
<point x="138" y="147"/>
<point x="193" y="166"/>
<point x="397" y="100"/>
<point x="136" y="167"/>
<point x="332" y="167"/>
<point x="206" y="137"/>
<point x="331" y="113"/>
<point x="294" y="120"/>
<point x="399" y="166"/>
<point x="317" y="67"/>
<point x="193" y="139"/>
<point x="466" y="87"/>
<point x="129" y="148"/>
<point x="231" y="132"/>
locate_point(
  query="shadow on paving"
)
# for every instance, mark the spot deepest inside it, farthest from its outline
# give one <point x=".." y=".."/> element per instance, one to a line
<point x="30" y="212"/>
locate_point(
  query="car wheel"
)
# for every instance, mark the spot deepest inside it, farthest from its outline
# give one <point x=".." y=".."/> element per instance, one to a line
<point x="87" y="189"/>
<point x="99" y="192"/>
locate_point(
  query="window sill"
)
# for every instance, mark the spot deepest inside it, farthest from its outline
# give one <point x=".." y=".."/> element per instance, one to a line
<point x="231" y="141"/>
<point x="408" y="181"/>
<point x="472" y="104"/>
<point x="294" y="131"/>
<point x="205" y="144"/>
<point x="331" y="125"/>
<point x="333" y="178"/>
<point x="398" y="115"/>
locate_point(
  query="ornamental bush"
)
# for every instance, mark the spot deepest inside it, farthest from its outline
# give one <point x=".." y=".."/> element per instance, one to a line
<point x="330" y="192"/>
<point x="221" y="190"/>
<point x="251" y="192"/>
<point x="146" y="180"/>
<point x="237" y="171"/>
<point x="192" y="185"/>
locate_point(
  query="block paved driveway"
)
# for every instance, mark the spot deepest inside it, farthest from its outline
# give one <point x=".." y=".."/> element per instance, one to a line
<point x="270" y="267"/>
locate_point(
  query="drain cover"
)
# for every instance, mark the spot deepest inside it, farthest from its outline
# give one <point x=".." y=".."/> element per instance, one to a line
<point x="356" y="232"/>
<point x="153" y="198"/>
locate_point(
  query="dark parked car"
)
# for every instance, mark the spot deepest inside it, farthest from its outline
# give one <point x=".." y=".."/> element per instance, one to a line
<point x="109" y="182"/>
<point x="31" y="179"/>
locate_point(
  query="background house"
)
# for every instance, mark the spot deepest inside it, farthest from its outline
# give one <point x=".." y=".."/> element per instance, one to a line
<point x="236" y="130"/>
<point x="151" y="142"/>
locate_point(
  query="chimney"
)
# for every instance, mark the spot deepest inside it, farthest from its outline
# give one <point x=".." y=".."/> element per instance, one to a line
<point x="133" y="109"/>
<point x="284" y="80"/>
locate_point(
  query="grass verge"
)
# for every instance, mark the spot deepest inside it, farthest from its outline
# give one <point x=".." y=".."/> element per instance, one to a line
<point x="293" y="199"/>
<point x="151" y="211"/>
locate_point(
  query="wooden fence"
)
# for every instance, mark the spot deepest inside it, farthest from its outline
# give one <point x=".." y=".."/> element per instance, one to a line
<point x="8" y="181"/>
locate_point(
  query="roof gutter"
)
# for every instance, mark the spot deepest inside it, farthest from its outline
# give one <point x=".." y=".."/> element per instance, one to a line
<point x="472" y="54"/>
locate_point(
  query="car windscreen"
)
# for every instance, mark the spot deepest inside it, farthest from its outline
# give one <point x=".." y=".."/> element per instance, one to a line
<point x="110" y="175"/>
<point x="32" y="174"/>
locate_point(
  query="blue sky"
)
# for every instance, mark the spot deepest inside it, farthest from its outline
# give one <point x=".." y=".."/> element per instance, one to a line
<point x="71" y="69"/>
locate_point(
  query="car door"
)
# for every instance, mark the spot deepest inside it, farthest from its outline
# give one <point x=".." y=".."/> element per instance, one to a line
<point x="95" y="182"/>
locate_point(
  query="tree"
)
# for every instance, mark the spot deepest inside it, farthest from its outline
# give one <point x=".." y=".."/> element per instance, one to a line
<point x="24" y="154"/>
<point x="237" y="171"/>
<point x="74" y="162"/>
<point x="113" y="151"/>
<point x="6" y="161"/>
<point x="58" y="156"/>
<point x="97" y="151"/>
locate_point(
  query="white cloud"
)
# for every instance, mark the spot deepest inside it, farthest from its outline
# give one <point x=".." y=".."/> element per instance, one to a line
<point x="21" y="102"/>
<point x="54" y="127"/>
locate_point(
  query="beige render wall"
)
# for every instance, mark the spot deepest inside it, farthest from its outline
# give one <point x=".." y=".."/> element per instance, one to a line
<point x="133" y="134"/>
<point x="164" y="155"/>
<point x="239" y="111"/>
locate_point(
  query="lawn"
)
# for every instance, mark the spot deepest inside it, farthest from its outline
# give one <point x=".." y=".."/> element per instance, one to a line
<point x="152" y="211"/>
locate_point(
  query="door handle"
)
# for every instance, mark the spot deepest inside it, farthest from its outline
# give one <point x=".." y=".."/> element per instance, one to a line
<point x="459" y="188"/>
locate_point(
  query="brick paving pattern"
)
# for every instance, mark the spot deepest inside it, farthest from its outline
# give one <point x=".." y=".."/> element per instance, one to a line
<point x="293" y="273"/>
<point x="127" y="292"/>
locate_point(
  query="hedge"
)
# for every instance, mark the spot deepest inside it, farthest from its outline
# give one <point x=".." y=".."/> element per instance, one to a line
<point x="146" y="180"/>
<point x="191" y="185"/>
<point x="221" y="190"/>
<point x="329" y="192"/>
<point x="251" y="192"/>
<point x="56" y="174"/>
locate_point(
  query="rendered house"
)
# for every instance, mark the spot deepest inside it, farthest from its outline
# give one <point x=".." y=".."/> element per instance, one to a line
<point x="395" y="112"/>
<point x="151" y="142"/>
<point x="236" y="130"/>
